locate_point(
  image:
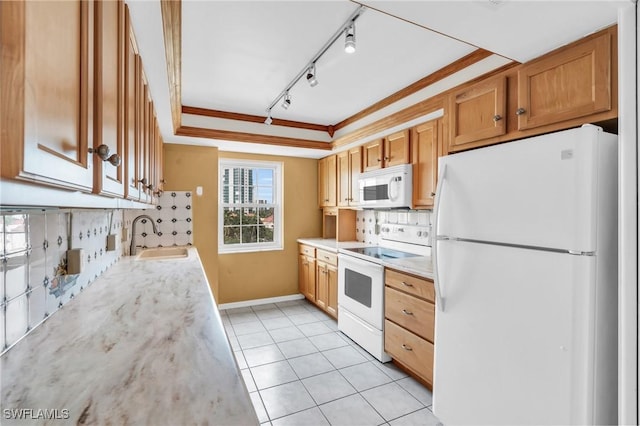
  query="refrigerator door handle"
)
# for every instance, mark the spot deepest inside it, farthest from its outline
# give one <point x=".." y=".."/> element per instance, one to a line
<point x="434" y="249"/>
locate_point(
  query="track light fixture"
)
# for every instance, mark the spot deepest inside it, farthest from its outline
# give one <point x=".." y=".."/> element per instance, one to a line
<point x="286" y="103"/>
<point x="309" y="70"/>
<point x="311" y="76"/>
<point x="350" y="38"/>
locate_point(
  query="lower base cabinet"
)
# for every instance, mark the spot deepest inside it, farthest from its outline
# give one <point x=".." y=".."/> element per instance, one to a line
<point x="318" y="277"/>
<point x="409" y="323"/>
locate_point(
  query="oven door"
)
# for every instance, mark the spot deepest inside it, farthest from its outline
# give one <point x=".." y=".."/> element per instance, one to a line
<point x="361" y="289"/>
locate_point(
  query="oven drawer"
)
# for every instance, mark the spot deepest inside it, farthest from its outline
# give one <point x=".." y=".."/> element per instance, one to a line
<point x="420" y="287"/>
<point x="414" y="314"/>
<point x="307" y="250"/>
<point x="327" y="257"/>
<point x="409" y="349"/>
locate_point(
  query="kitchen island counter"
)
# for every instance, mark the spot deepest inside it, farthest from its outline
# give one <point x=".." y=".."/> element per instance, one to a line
<point x="143" y="344"/>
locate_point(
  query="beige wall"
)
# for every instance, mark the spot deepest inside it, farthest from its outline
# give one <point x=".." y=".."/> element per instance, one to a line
<point x="185" y="168"/>
<point x="247" y="276"/>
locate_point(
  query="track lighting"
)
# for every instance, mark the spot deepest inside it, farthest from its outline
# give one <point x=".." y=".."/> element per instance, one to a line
<point x="287" y="101"/>
<point x="350" y="39"/>
<point x="311" y="76"/>
<point x="309" y="70"/>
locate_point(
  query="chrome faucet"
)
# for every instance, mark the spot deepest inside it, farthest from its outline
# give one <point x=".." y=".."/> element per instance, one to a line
<point x="132" y="248"/>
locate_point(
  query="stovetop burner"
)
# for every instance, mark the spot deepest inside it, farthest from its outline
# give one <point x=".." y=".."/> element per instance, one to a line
<point x="381" y="252"/>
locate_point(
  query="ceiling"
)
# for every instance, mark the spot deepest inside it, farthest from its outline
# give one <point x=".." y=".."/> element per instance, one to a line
<point x="238" y="56"/>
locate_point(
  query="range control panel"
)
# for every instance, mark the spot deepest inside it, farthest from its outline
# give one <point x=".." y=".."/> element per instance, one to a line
<point x="413" y="234"/>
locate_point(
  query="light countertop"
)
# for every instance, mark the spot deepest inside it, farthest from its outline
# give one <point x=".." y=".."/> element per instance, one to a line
<point x="144" y="344"/>
<point x="420" y="265"/>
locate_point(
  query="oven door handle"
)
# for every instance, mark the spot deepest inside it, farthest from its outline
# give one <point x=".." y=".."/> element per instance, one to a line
<point x="434" y="249"/>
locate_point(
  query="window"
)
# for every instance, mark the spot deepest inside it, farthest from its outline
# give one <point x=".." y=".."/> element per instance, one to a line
<point x="250" y="212"/>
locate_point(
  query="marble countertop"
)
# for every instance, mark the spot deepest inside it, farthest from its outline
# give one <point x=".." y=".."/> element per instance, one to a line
<point x="144" y="344"/>
<point x="420" y="265"/>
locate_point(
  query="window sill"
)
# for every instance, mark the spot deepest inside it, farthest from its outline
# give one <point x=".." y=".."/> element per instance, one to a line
<point x="248" y="250"/>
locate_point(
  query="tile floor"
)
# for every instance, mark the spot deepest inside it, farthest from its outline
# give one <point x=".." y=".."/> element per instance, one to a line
<point x="300" y="370"/>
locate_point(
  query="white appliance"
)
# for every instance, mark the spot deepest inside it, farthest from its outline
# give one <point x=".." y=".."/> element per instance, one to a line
<point x="361" y="283"/>
<point x="525" y="271"/>
<point x="386" y="188"/>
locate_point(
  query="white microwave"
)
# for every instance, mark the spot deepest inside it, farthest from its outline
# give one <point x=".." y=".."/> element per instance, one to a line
<point x="390" y="187"/>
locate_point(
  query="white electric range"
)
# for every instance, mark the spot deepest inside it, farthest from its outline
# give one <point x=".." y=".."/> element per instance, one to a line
<point x="361" y="283"/>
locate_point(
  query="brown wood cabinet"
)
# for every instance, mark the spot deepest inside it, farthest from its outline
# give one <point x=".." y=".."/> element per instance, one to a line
<point x="327" y="176"/>
<point x="46" y="120"/>
<point x="318" y="277"/>
<point x="396" y="148"/>
<point x="109" y="95"/>
<point x="307" y="271"/>
<point x="372" y="155"/>
<point x="409" y="323"/>
<point x="424" y="157"/>
<point x="349" y="169"/>
<point x="478" y="112"/>
<point x="132" y="83"/>
<point x="573" y="82"/>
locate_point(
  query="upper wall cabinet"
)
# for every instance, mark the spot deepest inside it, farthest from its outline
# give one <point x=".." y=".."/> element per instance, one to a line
<point x="372" y="155"/>
<point x="396" y="149"/>
<point x="327" y="174"/>
<point x="478" y="112"/>
<point x="349" y="168"/>
<point x="424" y="156"/>
<point x="109" y="94"/>
<point x="573" y="82"/>
<point x="131" y="113"/>
<point x="46" y="83"/>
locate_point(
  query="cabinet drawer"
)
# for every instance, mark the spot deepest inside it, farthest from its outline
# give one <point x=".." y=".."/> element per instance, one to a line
<point x="416" y="315"/>
<point x="307" y="250"/>
<point x="327" y="257"/>
<point x="420" y="287"/>
<point x="411" y="350"/>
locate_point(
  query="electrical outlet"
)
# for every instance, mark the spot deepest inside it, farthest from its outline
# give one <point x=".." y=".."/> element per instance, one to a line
<point x="75" y="261"/>
<point x="111" y="242"/>
<point x="125" y="234"/>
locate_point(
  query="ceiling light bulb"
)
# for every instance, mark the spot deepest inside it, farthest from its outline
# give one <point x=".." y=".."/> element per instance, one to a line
<point x="268" y="120"/>
<point x="350" y="39"/>
<point x="311" y="76"/>
<point x="286" y="103"/>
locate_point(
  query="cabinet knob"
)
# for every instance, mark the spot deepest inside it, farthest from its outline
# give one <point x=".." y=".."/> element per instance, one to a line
<point x="379" y="160"/>
<point x="433" y="194"/>
<point x="102" y="151"/>
<point x="387" y="158"/>
<point x="520" y="111"/>
<point x="497" y="117"/>
<point x="406" y="347"/>
<point x="143" y="181"/>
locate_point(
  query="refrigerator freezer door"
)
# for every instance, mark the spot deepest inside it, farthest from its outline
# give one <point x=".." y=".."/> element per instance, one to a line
<point x="541" y="192"/>
<point x="515" y="344"/>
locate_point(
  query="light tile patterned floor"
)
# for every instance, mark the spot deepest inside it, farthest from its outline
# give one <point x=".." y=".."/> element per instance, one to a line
<point x="300" y="370"/>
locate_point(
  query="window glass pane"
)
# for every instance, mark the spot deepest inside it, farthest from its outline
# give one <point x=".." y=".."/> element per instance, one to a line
<point x="15" y="233"/>
<point x="231" y="234"/>
<point x="265" y="234"/>
<point x="249" y="234"/>
<point x="225" y="177"/>
<point x="226" y="194"/>
<point x="231" y="216"/>
<point x="249" y="216"/>
<point x="266" y="216"/>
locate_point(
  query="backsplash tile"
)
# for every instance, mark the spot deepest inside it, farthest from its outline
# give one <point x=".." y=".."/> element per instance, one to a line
<point x="173" y="219"/>
<point x="367" y="221"/>
<point x="33" y="243"/>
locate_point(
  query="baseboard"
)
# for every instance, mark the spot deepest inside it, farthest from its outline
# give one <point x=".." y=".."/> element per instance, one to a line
<point x="265" y="301"/>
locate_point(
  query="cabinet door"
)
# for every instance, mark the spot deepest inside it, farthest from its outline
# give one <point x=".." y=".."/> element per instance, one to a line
<point x="355" y="168"/>
<point x="131" y="88"/>
<point x="344" y="179"/>
<point x="572" y="83"/>
<point x="322" y="285"/>
<point x="109" y="85"/>
<point x="396" y="149"/>
<point x="425" y="163"/>
<point x="332" y="290"/>
<point x="327" y="173"/>
<point x="372" y="153"/>
<point x="306" y="276"/>
<point x="47" y="83"/>
<point x="478" y="112"/>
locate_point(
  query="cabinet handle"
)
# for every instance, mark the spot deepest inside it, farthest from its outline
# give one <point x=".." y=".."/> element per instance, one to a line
<point x="433" y="194"/>
<point x="305" y="263"/>
<point x="379" y="160"/>
<point x="143" y="181"/>
<point x="407" y="284"/>
<point x="404" y="311"/>
<point x="387" y="158"/>
<point x="520" y="111"/>
<point x="326" y="257"/>
<point x="406" y="348"/>
<point x="497" y="117"/>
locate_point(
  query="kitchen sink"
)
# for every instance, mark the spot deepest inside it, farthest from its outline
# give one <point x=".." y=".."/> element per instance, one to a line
<point x="163" y="253"/>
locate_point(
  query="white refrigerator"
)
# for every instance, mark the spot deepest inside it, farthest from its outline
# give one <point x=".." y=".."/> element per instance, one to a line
<point x="525" y="265"/>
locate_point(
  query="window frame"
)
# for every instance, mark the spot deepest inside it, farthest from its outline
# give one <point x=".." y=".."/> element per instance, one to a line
<point x="278" y="206"/>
